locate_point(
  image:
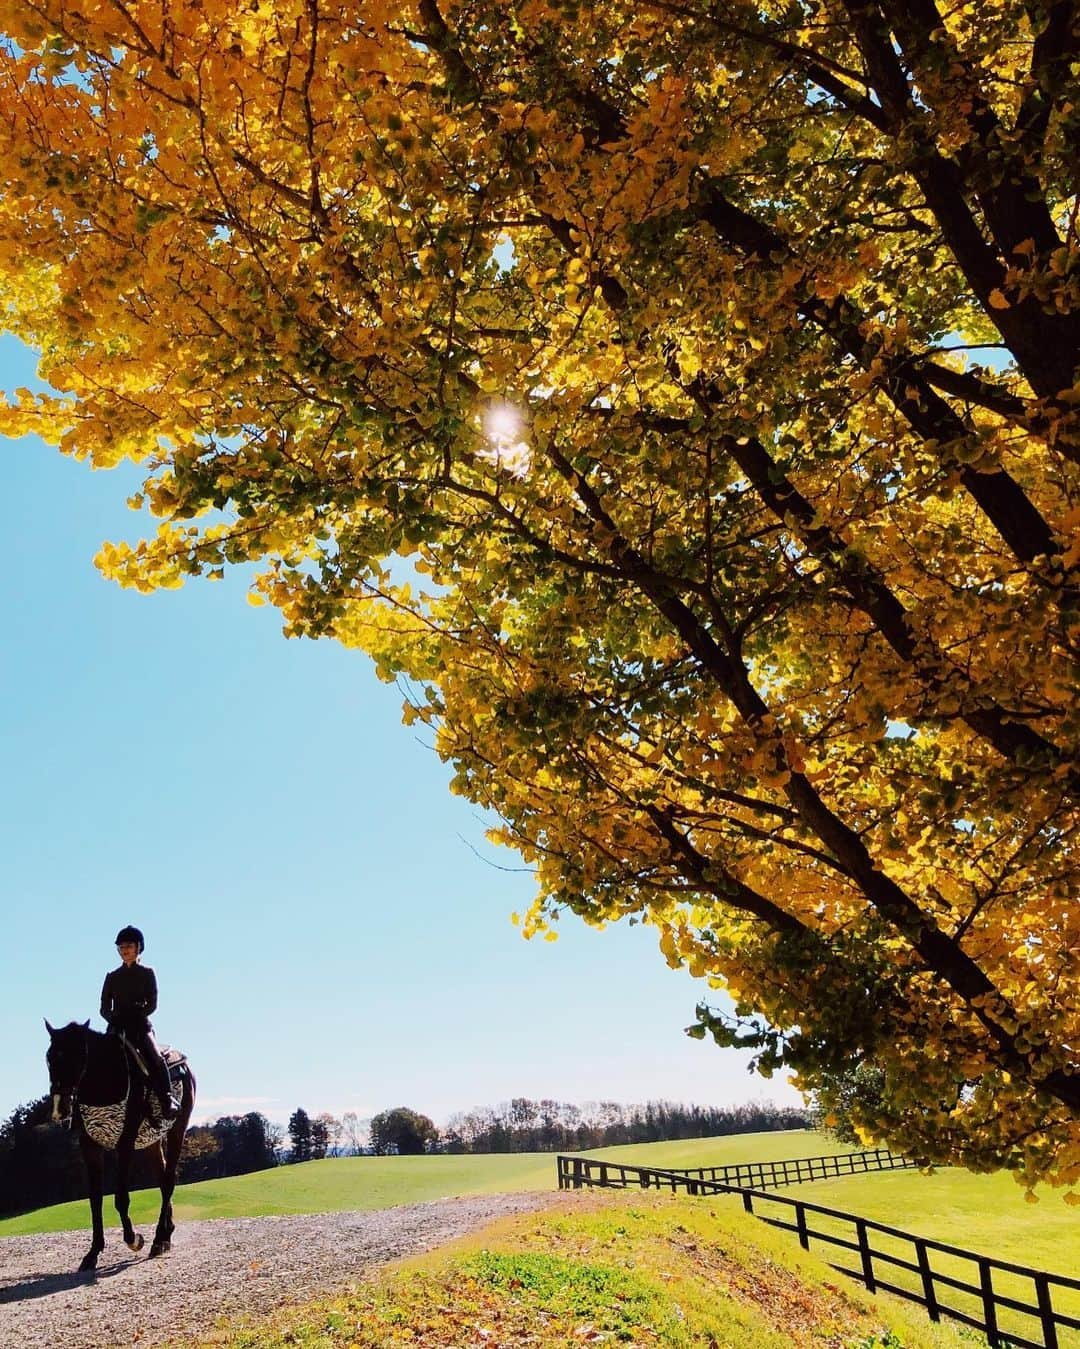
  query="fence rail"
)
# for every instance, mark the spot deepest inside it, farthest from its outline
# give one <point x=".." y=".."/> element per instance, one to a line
<point x="990" y="1285"/>
<point x="765" y="1175"/>
<point x="741" y="1175"/>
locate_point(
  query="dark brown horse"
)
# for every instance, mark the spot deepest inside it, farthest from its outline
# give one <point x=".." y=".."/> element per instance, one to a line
<point x="94" y="1083"/>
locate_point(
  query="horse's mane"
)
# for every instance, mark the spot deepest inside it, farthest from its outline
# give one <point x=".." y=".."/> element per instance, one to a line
<point x="82" y="1027"/>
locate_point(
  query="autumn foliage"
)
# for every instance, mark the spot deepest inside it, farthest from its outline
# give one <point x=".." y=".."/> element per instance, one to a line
<point x="682" y="399"/>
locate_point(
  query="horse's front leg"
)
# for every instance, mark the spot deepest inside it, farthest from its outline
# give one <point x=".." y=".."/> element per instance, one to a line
<point x="125" y="1152"/>
<point x="167" y="1159"/>
<point x="166" y="1179"/>
<point x="94" y="1161"/>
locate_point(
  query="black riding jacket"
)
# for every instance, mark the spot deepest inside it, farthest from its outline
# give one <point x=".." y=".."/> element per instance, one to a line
<point x="129" y="997"/>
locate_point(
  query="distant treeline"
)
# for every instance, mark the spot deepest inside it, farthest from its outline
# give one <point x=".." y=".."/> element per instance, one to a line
<point x="40" y="1162"/>
<point x="522" y="1125"/>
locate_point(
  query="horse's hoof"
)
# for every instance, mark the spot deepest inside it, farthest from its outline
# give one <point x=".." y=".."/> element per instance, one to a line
<point x="137" y="1242"/>
<point x="88" y="1262"/>
<point x="160" y="1248"/>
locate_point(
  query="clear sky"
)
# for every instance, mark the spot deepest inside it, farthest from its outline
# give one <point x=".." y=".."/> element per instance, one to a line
<point x="328" y="925"/>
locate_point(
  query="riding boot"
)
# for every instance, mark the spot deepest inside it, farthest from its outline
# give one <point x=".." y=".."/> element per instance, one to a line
<point x="163" y="1088"/>
<point x="159" y="1078"/>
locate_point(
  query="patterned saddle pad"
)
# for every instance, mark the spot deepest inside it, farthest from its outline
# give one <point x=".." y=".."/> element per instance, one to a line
<point x="105" y="1123"/>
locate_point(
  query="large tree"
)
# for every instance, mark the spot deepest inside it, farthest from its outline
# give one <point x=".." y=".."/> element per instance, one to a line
<point x="681" y="396"/>
<point x="402" y="1132"/>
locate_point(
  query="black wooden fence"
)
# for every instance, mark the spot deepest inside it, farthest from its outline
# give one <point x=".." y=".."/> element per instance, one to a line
<point x="1011" y="1303"/>
<point x="753" y="1175"/>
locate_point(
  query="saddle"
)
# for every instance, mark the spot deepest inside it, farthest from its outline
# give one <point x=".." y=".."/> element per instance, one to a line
<point x="174" y="1059"/>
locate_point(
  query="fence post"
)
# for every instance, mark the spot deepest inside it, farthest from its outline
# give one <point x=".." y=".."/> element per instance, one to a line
<point x="986" y="1279"/>
<point x="867" y="1256"/>
<point x="1046" y="1311"/>
<point x="748" y="1201"/>
<point x="929" y="1291"/>
<point x="800" y="1219"/>
<point x="579" y="1173"/>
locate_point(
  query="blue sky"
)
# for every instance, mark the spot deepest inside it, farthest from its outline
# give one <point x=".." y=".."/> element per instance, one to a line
<point x="328" y="925"/>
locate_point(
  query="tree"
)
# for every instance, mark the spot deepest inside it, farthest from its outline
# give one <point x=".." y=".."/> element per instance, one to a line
<point x="300" y="1136"/>
<point x="39" y="1164"/>
<point x="355" y="1133"/>
<point x="850" y="1103"/>
<point x="402" y="1131"/>
<point x="681" y="399"/>
<point x="333" y="1130"/>
<point x="320" y="1138"/>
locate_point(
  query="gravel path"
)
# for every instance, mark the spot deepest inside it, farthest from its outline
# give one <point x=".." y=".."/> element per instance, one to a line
<point x="219" y="1267"/>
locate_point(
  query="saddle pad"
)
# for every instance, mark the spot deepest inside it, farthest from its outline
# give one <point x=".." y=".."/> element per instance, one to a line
<point x="105" y="1123"/>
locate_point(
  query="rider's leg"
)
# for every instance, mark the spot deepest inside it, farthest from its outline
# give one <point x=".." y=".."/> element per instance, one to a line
<point x="159" y="1074"/>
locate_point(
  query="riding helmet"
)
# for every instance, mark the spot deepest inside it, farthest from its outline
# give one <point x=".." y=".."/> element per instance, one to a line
<point x="131" y="934"/>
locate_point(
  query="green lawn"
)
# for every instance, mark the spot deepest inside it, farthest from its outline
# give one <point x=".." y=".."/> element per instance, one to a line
<point x="317" y="1187"/>
<point x="692" y="1152"/>
<point x="987" y="1214"/>
<point x="984" y="1214"/>
<point x="378" y="1182"/>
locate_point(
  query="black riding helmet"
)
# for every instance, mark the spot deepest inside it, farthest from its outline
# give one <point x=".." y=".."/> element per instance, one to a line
<point x="131" y="934"/>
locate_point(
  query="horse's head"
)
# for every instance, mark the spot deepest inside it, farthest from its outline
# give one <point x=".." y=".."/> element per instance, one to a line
<point x="66" y="1058"/>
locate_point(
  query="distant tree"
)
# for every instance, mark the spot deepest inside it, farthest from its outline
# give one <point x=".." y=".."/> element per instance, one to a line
<point x="320" y="1139"/>
<point x="334" y="1131"/>
<point x="39" y="1164"/>
<point x="356" y="1133"/>
<point x="256" y="1138"/>
<point x="275" y="1140"/>
<point x="402" y="1131"/>
<point x="526" y="1126"/>
<point x="300" y="1136"/>
<point x="232" y="1146"/>
<point x="201" y="1158"/>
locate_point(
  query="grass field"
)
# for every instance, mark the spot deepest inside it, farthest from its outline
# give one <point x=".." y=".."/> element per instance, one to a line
<point x="691" y="1152"/>
<point x="378" y="1182"/>
<point x="317" y="1187"/>
<point x="606" y="1268"/>
<point x="985" y="1214"/>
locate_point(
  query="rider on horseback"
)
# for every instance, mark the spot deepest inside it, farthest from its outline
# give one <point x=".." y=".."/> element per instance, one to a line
<point x="128" y="998"/>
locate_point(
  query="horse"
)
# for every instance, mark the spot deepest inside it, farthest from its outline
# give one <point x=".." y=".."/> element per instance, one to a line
<point x="94" y="1082"/>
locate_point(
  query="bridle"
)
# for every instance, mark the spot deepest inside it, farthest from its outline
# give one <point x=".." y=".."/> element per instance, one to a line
<point x="63" y="1093"/>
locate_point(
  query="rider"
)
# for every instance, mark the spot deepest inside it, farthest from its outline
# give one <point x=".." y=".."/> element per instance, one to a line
<point x="128" y="997"/>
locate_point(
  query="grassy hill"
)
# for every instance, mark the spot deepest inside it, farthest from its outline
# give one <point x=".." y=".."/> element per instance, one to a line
<point x="981" y="1213"/>
<point x="985" y="1214"/>
<point x="318" y="1187"/>
<point x="641" y="1269"/>
<point x="691" y="1152"/>
<point x="378" y="1182"/>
